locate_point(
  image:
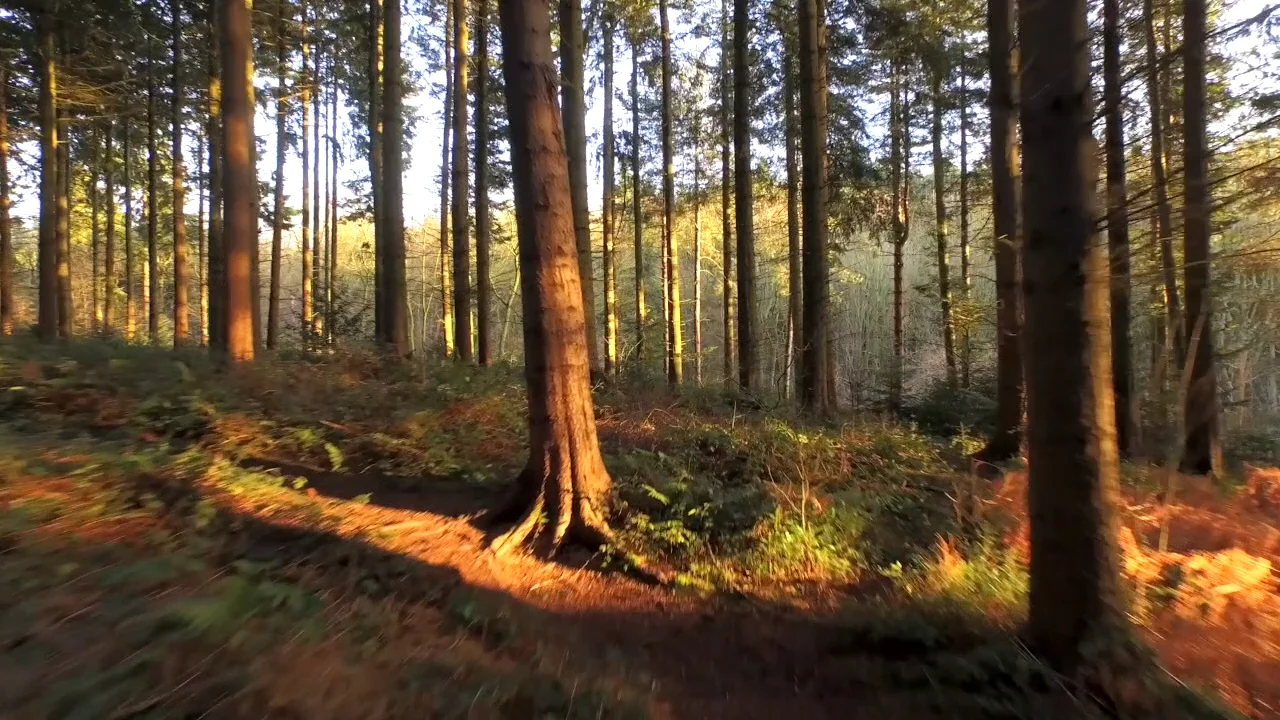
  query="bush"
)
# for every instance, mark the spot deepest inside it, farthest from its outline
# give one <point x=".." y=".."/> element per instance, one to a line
<point x="948" y="410"/>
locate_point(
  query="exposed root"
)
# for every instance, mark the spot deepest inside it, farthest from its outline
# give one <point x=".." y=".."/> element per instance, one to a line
<point x="517" y="535"/>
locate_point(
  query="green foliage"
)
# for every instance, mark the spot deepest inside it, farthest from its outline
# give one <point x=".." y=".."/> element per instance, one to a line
<point x="946" y="410"/>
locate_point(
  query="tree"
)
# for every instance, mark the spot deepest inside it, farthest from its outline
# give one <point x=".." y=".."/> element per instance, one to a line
<point x="217" y="178"/>
<point x="1074" y="466"/>
<point x="1117" y="227"/>
<point x="181" y="297"/>
<point x="942" y="230"/>
<point x="729" y="249"/>
<point x="49" y="195"/>
<point x="637" y="209"/>
<point x="565" y="477"/>
<point x="461" y="221"/>
<point x="966" y="278"/>
<point x="393" y="183"/>
<point x="742" y="180"/>
<point x="1006" y="438"/>
<point x="608" y="241"/>
<point x="1202" y="449"/>
<point x="573" y="102"/>
<point x="62" y="220"/>
<point x="671" y="254"/>
<point x="109" y="265"/>
<point x="446" y="121"/>
<point x="130" y="271"/>
<point x="240" y="180"/>
<point x="815" y="332"/>
<point x="1164" y="217"/>
<point x="374" y="81"/>
<point x="277" y="219"/>
<point x="151" y="281"/>
<point x="6" y="239"/>
<point x="483" y="225"/>
<point x="791" y="132"/>
<point x="900" y="180"/>
<point x="305" y="80"/>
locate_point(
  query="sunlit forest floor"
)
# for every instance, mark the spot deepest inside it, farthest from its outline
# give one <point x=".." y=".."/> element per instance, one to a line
<point x="302" y="539"/>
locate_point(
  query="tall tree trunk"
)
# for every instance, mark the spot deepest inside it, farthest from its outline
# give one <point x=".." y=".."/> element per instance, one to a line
<point x="941" y="232"/>
<point x="305" y="80"/>
<point x="1006" y="438"/>
<point x="446" y="121"/>
<point x="393" y="182"/>
<point x="109" y="249"/>
<point x="795" y="291"/>
<point x="6" y="239"/>
<point x="331" y="286"/>
<point x="130" y="297"/>
<point x="181" y="277"/>
<point x="484" y="289"/>
<point x="66" y="306"/>
<point x="202" y="285"/>
<point x="151" y="281"/>
<point x="608" y="241"/>
<point x="375" y="168"/>
<point x="1071" y="435"/>
<point x="240" y="180"/>
<point x="897" y="116"/>
<point x="317" y="205"/>
<point x="565" y="477"/>
<point x="675" y="335"/>
<point x="324" y="180"/>
<point x="637" y="209"/>
<point x="95" y="230"/>
<point x="1202" y="450"/>
<point x="728" y="247"/>
<point x="815" y="371"/>
<point x="49" y="296"/>
<point x="966" y="278"/>
<point x="1117" y="229"/>
<point x="743" y="203"/>
<point x="697" y="251"/>
<point x="573" y="87"/>
<point x="461" y="189"/>
<point x="1156" y="99"/>
<point x="277" y="219"/>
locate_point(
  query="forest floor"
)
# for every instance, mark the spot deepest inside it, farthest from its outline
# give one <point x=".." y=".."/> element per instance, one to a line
<point x="302" y="539"/>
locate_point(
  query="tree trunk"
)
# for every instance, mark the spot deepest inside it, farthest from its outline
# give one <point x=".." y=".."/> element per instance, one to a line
<point x="181" y="277"/>
<point x="48" y="243"/>
<point x="331" y="270"/>
<point x="130" y="306"/>
<point x="1006" y="438"/>
<point x="565" y="477"/>
<point x="897" y="115"/>
<point x="697" y="251"/>
<point x="637" y="209"/>
<point x="109" y="249"/>
<point x="375" y="169"/>
<point x="317" y="205"/>
<point x="393" y="183"/>
<point x="446" y="121"/>
<point x="966" y="281"/>
<point x="95" y="230"/>
<point x="461" y="191"/>
<point x="1117" y="229"/>
<point x="1156" y="99"/>
<point x="1202" y="450"/>
<point x="277" y="220"/>
<point x="743" y="203"/>
<point x="795" y="291"/>
<point x="815" y="370"/>
<point x="6" y="239"/>
<point x="304" y="80"/>
<point x="240" y="180"/>
<point x="1071" y="436"/>
<point x="608" y="241"/>
<point x="325" y="168"/>
<point x="573" y="101"/>
<point x="671" y="253"/>
<point x="151" y="281"/>
<point x="941" y="232"/>
<point x="66" y="306"/>
<point x="202" y="286"/>
<point x="729" y="249"/>
<point x="484" y="289"/>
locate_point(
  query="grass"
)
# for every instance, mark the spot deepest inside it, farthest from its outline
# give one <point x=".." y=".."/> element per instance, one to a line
<point x="200" y="506"/>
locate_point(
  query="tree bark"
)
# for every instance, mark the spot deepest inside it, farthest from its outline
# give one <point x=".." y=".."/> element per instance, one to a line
<point x="795" y="289"/>
<point x="393" y="183"/>
<point x="331" y="270"/>
<point x="1202" y="449"/>
<point x="305" y="81"/>
<point x="1156" y="99"/>
<point x="1117" y="229"/>
<point x="151" y="281"/>
<point x="446" y="121"/>
<point x="277" y="220"/>
<point x="897" y="116"/>
<point x="201" y="237"/>
<point x="815" y="371"/>
<point x="181" y="263"/>
<point x="941" y="233"/>
<point x="675" y="334"/>
<point x="697" y="251"/>
<point x="608" y="241"/>
<point x="966" y="278"/>
<point x="130" y="306"/>
<point x="461" y="189"/>
<point x="375" y="169"/>
<point x="95" y="230"/>
<point x="66" y="306"/>
<point x="729" y="248"/>
<point x="743" y="203"/>
<point x="240" y="181"/>
<point x="1006" y="439"/>
<point x="565" y="476"/>
<point x="6" y="238"/>
<point x="484" y="288"/>
<point x="319" y="235"/>
<point x="1072" y="453"/>
<point x="49" y="297"/>
<point x="109" y="249"/>
<point x="637" y="208"/>
<point x="573" y="102"/>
